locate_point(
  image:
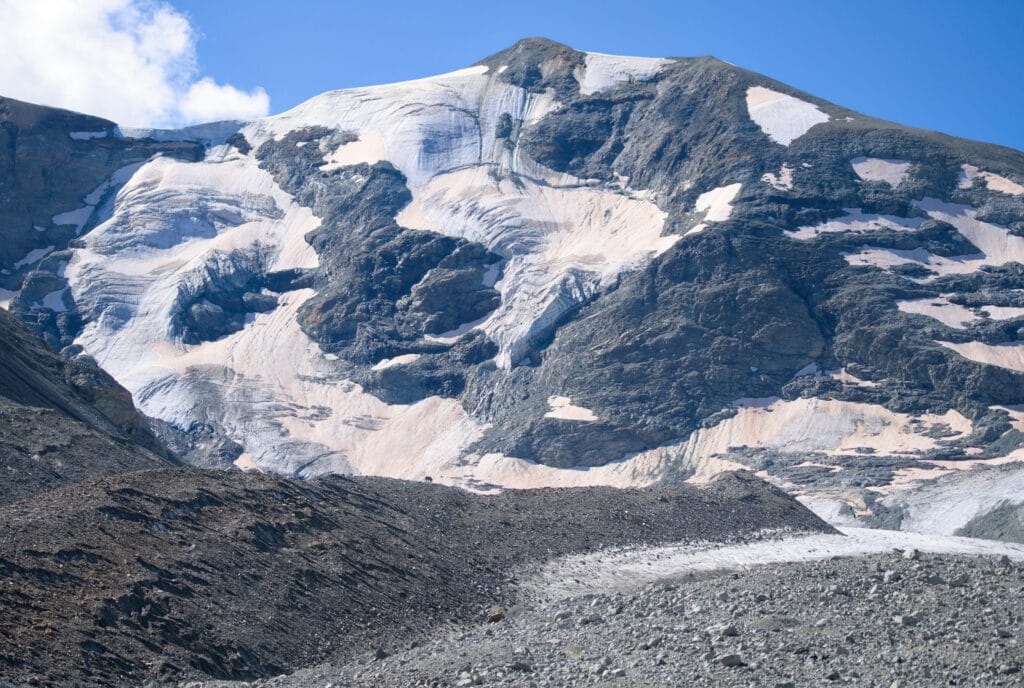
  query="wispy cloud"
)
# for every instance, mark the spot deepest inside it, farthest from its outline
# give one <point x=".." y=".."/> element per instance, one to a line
<point x="131" y="61"/>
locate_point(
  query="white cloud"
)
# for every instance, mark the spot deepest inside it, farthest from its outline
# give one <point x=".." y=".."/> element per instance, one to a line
<point x="208" y="101"/>
<point x="131" y="61"/>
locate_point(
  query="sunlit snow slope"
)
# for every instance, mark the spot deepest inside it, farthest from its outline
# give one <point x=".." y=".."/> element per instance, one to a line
<point x="176" y="226"/>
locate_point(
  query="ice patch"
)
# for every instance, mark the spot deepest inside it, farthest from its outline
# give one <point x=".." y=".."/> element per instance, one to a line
<point x="268" y="386"/>
<point x="405" y="120"/>
<point x="950" y="502"/>
<point x="892" y="172"/>
<point x="563" y="238"/>
<point x="994" y="182"/>
<point x="807" y="370"/>
<point x="600" y="72"/>
<point x="856" y="221"/>
<point x="782" y="117"/>
<point x="1009" y="356"/>
<point x="564" y="409"/>
<point x="34" y="256"/>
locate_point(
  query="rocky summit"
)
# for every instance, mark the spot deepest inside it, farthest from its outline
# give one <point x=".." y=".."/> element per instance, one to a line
<point x="725" y="311"/>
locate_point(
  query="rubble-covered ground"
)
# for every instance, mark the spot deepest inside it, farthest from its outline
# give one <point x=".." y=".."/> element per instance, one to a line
<point x="898" y="619"/>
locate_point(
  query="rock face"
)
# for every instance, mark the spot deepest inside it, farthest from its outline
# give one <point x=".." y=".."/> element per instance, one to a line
<point x="560" y="268"/>
<point x="176" y="574"/>
<point x="59" y="173"/>
<point x="63" y="421"/>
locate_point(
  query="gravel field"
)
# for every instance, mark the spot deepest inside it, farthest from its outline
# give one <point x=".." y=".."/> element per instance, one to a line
<point x="897" y="619"/>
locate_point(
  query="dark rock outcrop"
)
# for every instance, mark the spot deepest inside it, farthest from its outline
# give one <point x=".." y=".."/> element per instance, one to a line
<point x="62" y="421"/>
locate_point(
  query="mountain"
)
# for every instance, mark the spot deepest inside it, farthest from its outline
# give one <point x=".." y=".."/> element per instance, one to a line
<point x="552" y="268"/>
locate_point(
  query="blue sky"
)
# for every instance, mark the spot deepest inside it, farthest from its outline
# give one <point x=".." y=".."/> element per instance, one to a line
<point x="957" y="67"/>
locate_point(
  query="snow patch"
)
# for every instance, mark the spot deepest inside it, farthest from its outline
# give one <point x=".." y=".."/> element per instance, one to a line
<point x="818" y="425"/>
<point x="994" y="182"/>
<point x="847" y="378"/>
<point x="892" y="172"/>
<point x="625" y="570"/>
<point x="404" y="359"/>
<point x="782" y="117"/>
<point x="716" y="206"/>
<point x="783" y="181"/>
<point x="717" y="203"/>
<point x="245" y="462"/>
<point x="600" y="72"/>
<point x="77" y="217"/>
<point x="6" y="296"/>
<point x="997" y="245"/>
<point x="563" y="408"/>
<point x="1003" y="312"/>
<point x="950" y="314"/>
<point x="369" y="148"/>
<point x="1009" y="356"/>
<point x="956" y="316"/>
<point x="856" y="221"/>
<point x="55" y="301"/>
<point x="34" y="256"/>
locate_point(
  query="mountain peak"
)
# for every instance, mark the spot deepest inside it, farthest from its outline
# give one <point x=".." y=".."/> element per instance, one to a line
<point x="536" y="46"/>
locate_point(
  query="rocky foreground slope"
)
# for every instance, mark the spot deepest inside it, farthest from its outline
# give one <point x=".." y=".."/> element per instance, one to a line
<point x="63" y="420"/>
<point x="895" y="621"/>
<point x="182" y="573"/>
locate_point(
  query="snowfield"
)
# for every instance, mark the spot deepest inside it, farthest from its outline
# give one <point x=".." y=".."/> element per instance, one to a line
<point x="892" y="172"/>
<point x="782" y="117"/>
